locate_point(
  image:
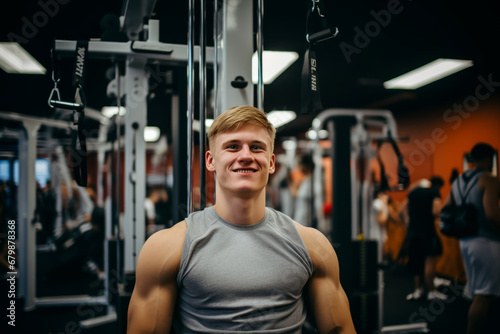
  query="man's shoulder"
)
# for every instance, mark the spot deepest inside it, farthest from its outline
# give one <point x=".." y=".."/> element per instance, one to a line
<point x="487" y="179"/>
<point x="167" y="239"/>
<point x="313" y="239"/>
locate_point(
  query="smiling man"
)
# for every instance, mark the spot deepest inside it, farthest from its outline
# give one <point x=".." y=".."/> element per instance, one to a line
<point x="238" y="267"/>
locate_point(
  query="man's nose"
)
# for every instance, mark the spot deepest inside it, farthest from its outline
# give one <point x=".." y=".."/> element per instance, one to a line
<point x="246" y="153"/>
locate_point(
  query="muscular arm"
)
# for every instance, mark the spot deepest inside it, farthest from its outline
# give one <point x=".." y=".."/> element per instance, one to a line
<point x="153" y="299"/>
<point x="491" y="194"/>
<point x="436" y="206"/>
<point x="327" y="298"/>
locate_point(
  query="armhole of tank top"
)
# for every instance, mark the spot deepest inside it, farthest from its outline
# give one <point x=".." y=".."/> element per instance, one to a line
<point x="183" y="251"/>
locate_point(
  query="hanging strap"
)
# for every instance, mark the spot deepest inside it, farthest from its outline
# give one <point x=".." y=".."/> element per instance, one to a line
<point x="80" y="171"/>
<point x="403" y="172"/>
<point x="311" y="97"/>
<point x="78" y="107"/>
<point x="79" y="71"/>
<point x="80" y="145"/>
<point x="384" y="182"/>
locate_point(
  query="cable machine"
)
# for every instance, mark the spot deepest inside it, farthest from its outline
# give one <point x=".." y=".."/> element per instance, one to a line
<point x="231" y="60"/>
<point x="352" y="133"/>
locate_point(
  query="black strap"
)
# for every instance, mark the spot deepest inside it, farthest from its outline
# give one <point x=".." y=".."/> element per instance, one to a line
<point x="403" y="172"/>
<point x="80" y="170"/>
<point x="54" y="60"/>
<point x="384" y="182"/>
<point x="311" y="97"/>
<point x="79" y="71"/>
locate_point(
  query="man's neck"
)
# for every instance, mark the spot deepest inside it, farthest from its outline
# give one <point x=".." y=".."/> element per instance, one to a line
<point x="481" y="166"/>
<point x="241" y="211"/>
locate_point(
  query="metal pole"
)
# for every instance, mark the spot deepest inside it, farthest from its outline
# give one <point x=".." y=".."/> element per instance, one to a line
<point x="116" y="213"/>
<point x="216" y="63"/>
<point x="190" y="101"/>
<point x="203" y="89"/>
<point x="260" y="50"/>
<point x="216" y="73"/>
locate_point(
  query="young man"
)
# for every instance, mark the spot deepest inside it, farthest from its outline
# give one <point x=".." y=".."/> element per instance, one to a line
<point x="481" y="253"/>
<point x="238" y="266"/>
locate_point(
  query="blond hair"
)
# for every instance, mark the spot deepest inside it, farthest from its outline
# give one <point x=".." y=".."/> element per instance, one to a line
<point x="236" y="117"/>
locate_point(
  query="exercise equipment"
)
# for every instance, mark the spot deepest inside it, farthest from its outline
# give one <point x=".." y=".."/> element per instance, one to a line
<point x="231" y="58"/>
<point x="352" y="133"/>
<point x="78" y="108"/>
<point x="311" y="97"/>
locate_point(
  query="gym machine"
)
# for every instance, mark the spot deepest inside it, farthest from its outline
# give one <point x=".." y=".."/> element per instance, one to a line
<point x="230" y="88"/>
<point x="352" y="134"/>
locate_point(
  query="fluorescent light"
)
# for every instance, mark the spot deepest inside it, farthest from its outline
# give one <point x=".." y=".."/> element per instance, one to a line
<point x="321" y="134"/>
<point x="196" y="124"/>
<point x="281" y="117"/>
<point x="289" y="145"/>
<point x="208" y="123"/>
<point x="112" y="110"/>
<point x="426" y="74"/>
<point x="15" y="59"/>
<point x="151" y="133"/>
<point x="273" y="64"/>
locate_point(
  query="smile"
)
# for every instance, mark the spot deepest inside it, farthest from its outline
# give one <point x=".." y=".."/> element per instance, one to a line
<point x="244" y="171"/>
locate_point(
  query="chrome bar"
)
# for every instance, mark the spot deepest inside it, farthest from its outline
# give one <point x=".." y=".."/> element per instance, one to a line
<point x="260" y="50"/>
<point x="203" y="94"/>
<point x="191" y="19"/>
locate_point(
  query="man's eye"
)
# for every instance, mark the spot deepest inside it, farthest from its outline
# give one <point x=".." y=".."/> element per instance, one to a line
<point x="232" y="147"/>
<point x="256" y="147"/>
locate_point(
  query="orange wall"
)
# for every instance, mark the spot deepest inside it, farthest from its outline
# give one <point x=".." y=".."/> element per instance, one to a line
<point x="438" y="139"/>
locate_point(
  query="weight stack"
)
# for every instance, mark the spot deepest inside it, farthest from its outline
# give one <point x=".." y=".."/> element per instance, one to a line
<point x="364" y="299"/>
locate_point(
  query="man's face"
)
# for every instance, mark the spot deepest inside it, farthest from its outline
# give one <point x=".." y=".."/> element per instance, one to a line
<point x="242" y="160"/>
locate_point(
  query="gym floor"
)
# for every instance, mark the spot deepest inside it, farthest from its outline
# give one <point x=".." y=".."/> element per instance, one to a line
<point x="441" y="317"/>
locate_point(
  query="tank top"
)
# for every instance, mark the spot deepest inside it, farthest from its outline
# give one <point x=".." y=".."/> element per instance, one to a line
<point x="469" y="182"/>
<point x="245" y="279"/>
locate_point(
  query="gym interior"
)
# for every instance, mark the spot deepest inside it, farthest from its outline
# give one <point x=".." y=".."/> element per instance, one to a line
<point x="106" y="124"/>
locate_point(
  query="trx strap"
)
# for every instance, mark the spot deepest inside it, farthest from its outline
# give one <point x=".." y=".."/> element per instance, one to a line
<point x="78" y="106"/>
<point x="384" y="181"/>
<point x="403" y="173"/>
<point x="311" y="98"/>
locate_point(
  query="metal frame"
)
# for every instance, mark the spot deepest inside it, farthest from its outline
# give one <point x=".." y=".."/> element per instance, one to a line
<point x="27" y="201"/>
<point x="236" y="51"/>
<point x="234" y="48"/>
<point x="359" y="151"/>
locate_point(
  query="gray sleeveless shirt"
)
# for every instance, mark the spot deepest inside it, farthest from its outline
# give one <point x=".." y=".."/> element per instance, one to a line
<point x="246" y="279"/>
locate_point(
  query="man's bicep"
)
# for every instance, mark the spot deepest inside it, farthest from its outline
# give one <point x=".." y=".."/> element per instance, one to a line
<point x="490" y="200"/>
<point x="151" y="312"/>
<point x="327" y="298"/>
<point x="153" y="299"/>
<point x="436" y="206"/>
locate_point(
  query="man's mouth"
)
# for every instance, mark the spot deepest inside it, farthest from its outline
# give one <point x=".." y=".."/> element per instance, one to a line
<point x="244" y="171"/>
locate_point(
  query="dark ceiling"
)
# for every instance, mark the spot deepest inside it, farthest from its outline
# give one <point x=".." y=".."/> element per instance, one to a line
<point x="396" y="36"/>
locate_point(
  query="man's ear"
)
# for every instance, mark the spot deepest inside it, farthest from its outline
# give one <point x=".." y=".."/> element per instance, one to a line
<point x="272" y="164"/>
<point x="209" y="161"/>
